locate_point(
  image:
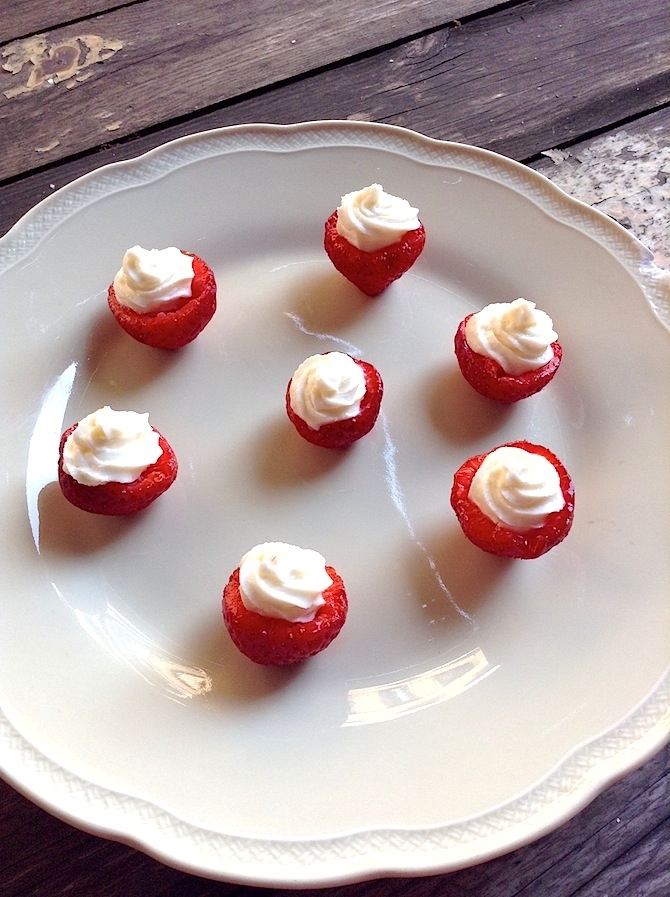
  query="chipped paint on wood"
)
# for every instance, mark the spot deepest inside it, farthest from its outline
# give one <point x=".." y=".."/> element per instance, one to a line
<point x="49" y="146"/>
<point x="41" y="62"/>
<point x="108" y="125"/>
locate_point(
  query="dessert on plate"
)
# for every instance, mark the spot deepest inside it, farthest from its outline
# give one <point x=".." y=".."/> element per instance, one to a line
<point x="333" y="399"/>
<point x="283" y="604"/>
<point x="114" y="463"/>
<point x="373" y="238"/>
<point x="163" y="297"/>
<point x="516" y="501"/>
<point x="508" y="350"/>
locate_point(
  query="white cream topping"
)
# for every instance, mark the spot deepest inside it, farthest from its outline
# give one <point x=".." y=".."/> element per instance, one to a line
<point x="283" y="581"/>
<point x="516" y="488"/>
<point x="327" y="388"/>
<point x="372" y="219"/>
<point x="110" y="447"/>
<point x="515" y="334"/>
<point x="150" y="279"/>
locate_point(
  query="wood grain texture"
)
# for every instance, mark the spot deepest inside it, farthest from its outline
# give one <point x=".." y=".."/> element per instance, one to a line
<point x="526" y="78"/>
<point x="73" y="88"/>
<point x="578" y="65"/>
<point x="24" y="17"/>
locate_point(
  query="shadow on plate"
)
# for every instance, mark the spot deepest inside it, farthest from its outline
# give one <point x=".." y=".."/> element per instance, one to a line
<point x="67" y="530"/>
<point x="454" y="578"/>
<point x="285" y="458"/>
<point x="117" y="364"/>
<point x="458" y="412"/>
<point x="232" y="676"/>
<point x="328" y="303"/>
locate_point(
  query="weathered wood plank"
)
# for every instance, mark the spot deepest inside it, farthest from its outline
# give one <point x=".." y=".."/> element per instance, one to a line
<point x="23" y="17"/>
<point x="518" y="81"/>
<point x="71" y="90"/>
<point x="578" y="64"/>
<point x="643" y="871"/>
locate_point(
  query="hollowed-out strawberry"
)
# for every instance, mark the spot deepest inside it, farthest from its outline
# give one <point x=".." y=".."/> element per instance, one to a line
<point x="120" y="498"/>
<point x="177" y="327"/>
<point x="488" y="377"/>
<point x="372" y="272"/>
<point x="270" y="641"/>
<point x="342" y="433"/>
<point x="498" y="539"/>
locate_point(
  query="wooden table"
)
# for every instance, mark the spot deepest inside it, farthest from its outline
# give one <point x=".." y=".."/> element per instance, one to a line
<point x="578" y="89"/>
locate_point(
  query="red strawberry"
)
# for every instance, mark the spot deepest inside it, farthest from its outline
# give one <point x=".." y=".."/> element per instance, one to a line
<point x="342" y="433"/>
<point x="266" y="640"/>
<point x="498" y="539"/>
<point x="487" y="376"/>
<point x="179" y="326"/>
<point x="372" y="272"/>
<point x="120" y="498"/>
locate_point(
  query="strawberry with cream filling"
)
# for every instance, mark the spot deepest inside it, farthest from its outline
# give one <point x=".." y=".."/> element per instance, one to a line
<point x="333" y="399"/>
<point x="283" y="604"/>
<point x="508" y="351"/>
<point x="114" y="463"/>
<point x="163" y="297"/>
<point x="516" y="501"/>
<point x="373" y="238"/>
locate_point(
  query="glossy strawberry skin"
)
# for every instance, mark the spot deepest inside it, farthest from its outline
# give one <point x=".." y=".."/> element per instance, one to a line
<point x="178" y="327"/>
<point x="499" y="540"/>
<point x="342" y="433"/>
<point x="119" y="499"/>
<point x="372" y="272"/>
<point x="273" y="642"/>
<point x="489" y="379"/>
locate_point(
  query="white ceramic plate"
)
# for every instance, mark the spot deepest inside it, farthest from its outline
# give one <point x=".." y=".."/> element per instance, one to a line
<point x="470" y="704"/>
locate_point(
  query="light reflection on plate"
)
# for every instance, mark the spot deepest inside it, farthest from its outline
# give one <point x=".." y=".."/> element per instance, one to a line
<point x="380" y="703"/>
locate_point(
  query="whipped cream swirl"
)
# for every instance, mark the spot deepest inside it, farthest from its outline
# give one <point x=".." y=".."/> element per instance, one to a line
<point x="327" y="388"/>
<point x="283" y="581"/>
<point x="516" y="488"/>
<point x="515" y="334"/>
<point x="153" y="279"/>
<point x="110" y="446"/>
<point x="372" y="219"/>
